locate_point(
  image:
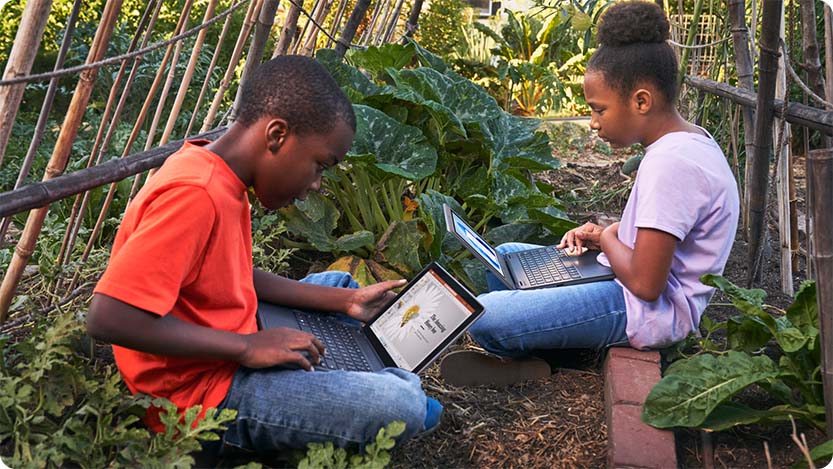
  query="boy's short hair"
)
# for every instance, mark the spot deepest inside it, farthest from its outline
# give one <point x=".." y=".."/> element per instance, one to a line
<point x="297" y="89"/>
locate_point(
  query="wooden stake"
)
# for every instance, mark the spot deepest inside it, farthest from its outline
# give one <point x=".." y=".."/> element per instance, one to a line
<point x="24" y="49"/>
<point x="349" y="32"/>
<point x="821" y="171"/>
<point x="208" y="71"/>
<point x="60" y="155"/>
<point x="290" y="26"/>
<point x="759" y="180"/>
<point x="342" y="7"/>
<point x="781" y="135"/>
<point x="255" y="56"/>
<point x="312" y="37"/>
<point x="248" y="23"/>
<point x="45" y="109"/>
<point x="746" y="73"/>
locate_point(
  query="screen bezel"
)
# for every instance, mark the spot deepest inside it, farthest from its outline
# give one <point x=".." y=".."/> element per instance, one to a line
<point x="458" y="288"/>
<point x="449" y="225"/>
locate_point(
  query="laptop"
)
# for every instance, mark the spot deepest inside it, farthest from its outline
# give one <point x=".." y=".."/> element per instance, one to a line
<point x="429" y="314"/>
<point x="534" y="268"/>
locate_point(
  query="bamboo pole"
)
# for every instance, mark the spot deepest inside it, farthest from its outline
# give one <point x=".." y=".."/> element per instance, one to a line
<point x="349" y="31"/>
<point x="393" y="21"/>
<point x="60" y="155"/>
<point x="300" y="39"/>
<point x="263" y="29"/>
<point x="45" y="109"/>
<point x="828" y="47"/>
<point x="334" y="28"/>
<point x="821" y="164"/>
<point x="103" y="141"/>
<point x="759" y="181"/>
<point x="208" y="72"/>
<point x="189" y="74"/>
<point x="368" y="31"/>
<point x="746" y="74"/>
<point x="795" y="113"/>
<point x="166" y="88"/>
<point x="781" y="135"/>
<point x="290" y="26"/>
<point x="248" y="22"/>
<point x="22" y="56"/>
<point x="312" y="37"/>
<point x="413" y="19"/>
<point x="379" y="32"/>
<point x="42" y="193"/>
<point x="810" y="47"/>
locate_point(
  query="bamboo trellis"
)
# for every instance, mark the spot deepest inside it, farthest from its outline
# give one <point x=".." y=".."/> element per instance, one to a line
<point x="258" y="20"/>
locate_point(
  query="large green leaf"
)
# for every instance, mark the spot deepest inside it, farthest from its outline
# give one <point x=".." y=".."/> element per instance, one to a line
<point x="376" y="59"/>
<point x="693" y="388"/>
<point x="431" y="206"/>
<point x="354" y="241"/>
<point x="555" y="220"/>
<point x="468" y="101"/>
<point x="516" y="144"/>
<point x="823" y="453"/>
<point x="399" y="149"/>
<point x="399" y="245"/>
<point x="314" y="219"/>
<point x="746" y="334"/>
<point x="730" y="414"/>
<point x="351" y="80"/>
<point x="804" y="310"/>
<point x="748" y="301"/>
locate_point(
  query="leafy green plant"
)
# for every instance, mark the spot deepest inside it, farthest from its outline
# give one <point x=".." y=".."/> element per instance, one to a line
<point x="424" y="130"/>
<point x="57" y="409"/>
<point x="375" y="455"/>
<point x="267" y="253"/>
<point x="438" y="26"/>
<point x="697" y="391"/>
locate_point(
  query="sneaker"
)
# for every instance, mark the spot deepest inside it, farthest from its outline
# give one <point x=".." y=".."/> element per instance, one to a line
<point x="470" y="368"/>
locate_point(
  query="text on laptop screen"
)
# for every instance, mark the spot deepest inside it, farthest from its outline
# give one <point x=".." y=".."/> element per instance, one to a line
<point x="420" y="320"/>
<point x="475" y="241"/>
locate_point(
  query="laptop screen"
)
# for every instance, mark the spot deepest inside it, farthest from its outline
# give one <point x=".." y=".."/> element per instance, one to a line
<point x="467" y="235"/>
<point x="424" y="316"/>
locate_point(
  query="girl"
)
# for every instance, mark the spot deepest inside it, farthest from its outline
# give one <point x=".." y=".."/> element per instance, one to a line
<point x="678" y="224"/>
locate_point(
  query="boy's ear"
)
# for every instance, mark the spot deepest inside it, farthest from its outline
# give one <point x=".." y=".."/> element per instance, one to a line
<point x="276" y="132"/>
<point x="643" y="100"/>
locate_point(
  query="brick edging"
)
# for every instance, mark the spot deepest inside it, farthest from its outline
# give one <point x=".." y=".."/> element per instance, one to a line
<point x="629" y="376"/>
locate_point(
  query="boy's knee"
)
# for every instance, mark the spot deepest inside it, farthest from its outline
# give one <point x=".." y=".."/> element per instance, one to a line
<point x="404" y="400"/>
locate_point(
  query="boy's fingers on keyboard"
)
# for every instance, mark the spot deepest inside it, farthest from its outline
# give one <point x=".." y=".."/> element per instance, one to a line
<point x="301" y="360"/>
<point x="312" y="351"/>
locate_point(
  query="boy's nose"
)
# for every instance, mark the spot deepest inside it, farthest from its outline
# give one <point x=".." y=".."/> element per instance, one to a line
<point x="594" y="123"/>
<point x="316" y="185"/>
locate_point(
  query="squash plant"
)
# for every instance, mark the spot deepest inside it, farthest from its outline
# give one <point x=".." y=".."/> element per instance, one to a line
<point x="424" y="134"/>
<point x="780" y="353"/>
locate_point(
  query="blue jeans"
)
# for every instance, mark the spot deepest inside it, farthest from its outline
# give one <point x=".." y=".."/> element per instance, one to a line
<point x="519" y="322"/>
<point x="279" y="408"/>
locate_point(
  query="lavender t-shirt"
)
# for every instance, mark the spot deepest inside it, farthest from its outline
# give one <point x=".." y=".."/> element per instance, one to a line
<point x="684" y="187"/>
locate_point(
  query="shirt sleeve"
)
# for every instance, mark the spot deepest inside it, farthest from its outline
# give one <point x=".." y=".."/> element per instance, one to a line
<point x="164" y="252"/>
<point x="672" y="193"/>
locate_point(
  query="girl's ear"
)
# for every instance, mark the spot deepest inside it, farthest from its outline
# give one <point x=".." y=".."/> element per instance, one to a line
<point x="276" y="133"/>
<point x="643" y="100"/>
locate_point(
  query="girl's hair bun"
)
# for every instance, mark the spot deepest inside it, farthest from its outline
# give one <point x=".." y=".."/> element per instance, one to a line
<point x="633" y="22"/>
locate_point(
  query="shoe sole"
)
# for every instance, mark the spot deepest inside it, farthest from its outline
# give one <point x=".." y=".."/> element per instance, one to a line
<point x="470" y="368"/>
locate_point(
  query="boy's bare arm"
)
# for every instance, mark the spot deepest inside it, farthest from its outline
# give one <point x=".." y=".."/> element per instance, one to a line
<point x="361" y="303"/>
<point x="643" y="269"/>
<point x="119" y="323"/>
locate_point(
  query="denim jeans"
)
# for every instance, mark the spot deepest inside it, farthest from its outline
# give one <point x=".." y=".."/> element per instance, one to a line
<point x="519" y="322"/>
<point x="279" y="408"/>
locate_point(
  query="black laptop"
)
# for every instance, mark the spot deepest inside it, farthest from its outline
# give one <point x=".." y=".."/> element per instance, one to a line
<point x="430" y="313"/>
<point x="534" y="268"/>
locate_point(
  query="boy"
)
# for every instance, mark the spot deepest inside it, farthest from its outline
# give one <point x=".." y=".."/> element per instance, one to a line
<point x="179" y="297"/>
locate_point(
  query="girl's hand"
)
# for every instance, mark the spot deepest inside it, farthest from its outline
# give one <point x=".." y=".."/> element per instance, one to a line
<point x="612" y="230"/>
<point x="366" y="302"/>
<point x="585" y="236"/>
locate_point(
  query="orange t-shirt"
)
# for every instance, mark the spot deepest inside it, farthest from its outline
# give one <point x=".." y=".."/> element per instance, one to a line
<point x="185" y="248"/>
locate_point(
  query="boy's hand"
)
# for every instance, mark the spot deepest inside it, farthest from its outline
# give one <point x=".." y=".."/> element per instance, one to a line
<point x="281" y="346"/>
<point x="587" y="236"/>
<point x="366" y="302"/>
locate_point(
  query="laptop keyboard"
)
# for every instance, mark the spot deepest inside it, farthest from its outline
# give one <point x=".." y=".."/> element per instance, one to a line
<point x="546" y="266"/>
<point x="343" y="353"/>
